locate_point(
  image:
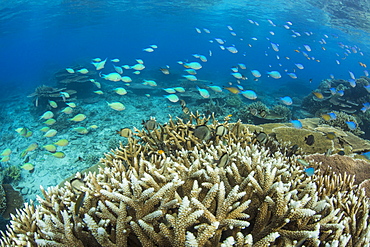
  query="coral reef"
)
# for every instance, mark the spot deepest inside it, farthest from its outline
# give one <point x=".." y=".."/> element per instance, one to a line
<point x="171" y="187"/>
<point x="11" y="173"/>
<point x="43" y="94"/>
<point x="340" y="121"/>
<point x="234" y="101"/>
<point x="282" y="111"/>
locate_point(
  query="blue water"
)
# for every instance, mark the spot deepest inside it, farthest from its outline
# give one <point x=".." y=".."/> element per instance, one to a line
<point x="38" y="38"/>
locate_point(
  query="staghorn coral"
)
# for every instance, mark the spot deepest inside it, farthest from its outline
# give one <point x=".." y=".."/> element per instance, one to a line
<point x="191" y="195"/>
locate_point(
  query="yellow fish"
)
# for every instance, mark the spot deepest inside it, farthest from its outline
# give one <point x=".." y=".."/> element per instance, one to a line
<point x="50" y="121"/>
<point x="62" y="142"/>
<point x="28" y="166"/>
<point x="50" y="147"/>
<point x="78" y="118"/>
<point x="53" y="104"/>
<point x="28" y="134"/>
<point x="32" y="147"/>
<point x="83" y="71"/>
<point x="120" y="90"/>
<point x="71" y="104"/>
<point x="81" y="130"/>
<point x="116" y="106"/>
<point x="5" y="159"/>
<point x="6" y="152"/>
<point x="50" y="133"/>
<point x="98" y="92"/>
<point x="47" y="115"/>
<point x="45" y="129"/>
<point x="93" y="126"/>
<point x="67" y="110"/>
<point x="69" y="70"/>
<point x="59" y="155"/>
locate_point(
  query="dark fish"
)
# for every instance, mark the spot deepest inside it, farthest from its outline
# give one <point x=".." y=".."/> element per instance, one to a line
<point x="185" y="110"/>
<point x="23" y="131"/>
<point x="26" y="160"/>
<point x="221" y="130"/>
<point x="310" y="140"/>
<point x="125" y="132"/>
<point x="202" y="132"/>
<point x="76" y="184"/>
<point x="224" y="159"/>
<point x="292" y="150"/>
<point x="182" y="103"/>
<point x="79" y="203"/>
<point x="261" y="137"/>
<point x="310" y="80"/>
<point x="341" y="152"/>
<point x="150" y="124"/>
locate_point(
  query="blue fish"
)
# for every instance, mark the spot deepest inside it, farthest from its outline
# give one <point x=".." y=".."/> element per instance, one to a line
<point x="286" y="100"/>
<point x="340" y="92"/>
<point x="309" y="171"/>
<point x="367" y="88"/>
<point x="333" y="90"/>
<point x="351" y="125"/>
<point x="296" y="124"/>
<point x="352" y="82"/>
<point x="332" y="115"/>
<point x="367" y="155"/>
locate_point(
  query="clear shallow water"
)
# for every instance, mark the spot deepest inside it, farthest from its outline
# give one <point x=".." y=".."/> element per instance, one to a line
<point x="37" y="38"/>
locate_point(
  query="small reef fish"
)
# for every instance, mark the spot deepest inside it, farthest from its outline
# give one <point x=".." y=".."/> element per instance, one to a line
<point x="165" y="71"/>
<point x="216" y="88"/>
<point x="120" y="90"/>
<point x="115" y="60"/>
<point x="179" y="89"/>
<point x="203" y="92"/>
<point x="71" y="104"/>
<point x="367" y="88"/>
<point x="150" y="83"/>
<point x="47" y="115"/>
<point x="149" y="49"/>
<point x="330" y="135"/>
<point x="190" y="77"/>
<point x="6" y="152"/>
<point x="256" y="73"/>
<point x="81" y="130"/>
<point x="303" y="162"/>
<point x="67" y="110"/>
<point x="172" y="97"/>
<point x="50" y="133"/>
<point x="99" y="92"/>
<point x="99" y="65"/>
<point x="28" y="167"/>
<point x="118" y="69"/>
<point x="274" y="74"/>
<point x="140" y="61"/>
<point x="116" y="106"/>
<point x="309" y="171"/>
<point x="50" y="147"/>
<point x="275" y="46"/>
<point x="352" y="82"/>
<point x="53" y="104"/>
<point x="249" y="94"/>
<point x="299" y="66"/>
<point x="366" y="106"/>
<point x="62" y="142"/>
<point x="242" y="66"/>
<point x="83" y="71"/>
<point x="237" y="75"/>
<point x="318" y="95"/>
<point x="112" y="77"/>
<point x="138" y="66"/>
<point x="352" y="75"/>
<point x="232" y="49"/>
<point x="5" y="159"/>
<point x="59" y="155"/>
<point x="126" y="79"/>
<point x="96" y="59"/>
<point x="78" y="118"/>
<point x="296" y="124"/>
<point x="70" y="70"/>
<point x="309" y="140"/>
<point x="193" y="65"/>
<point x="45" y="129"/>
<point x="202" y="132"/>
<point x="150" y="124"/>
<point x="50" y="121"/>
<point x="191" y="71"/>
<point x="292" y="75"/>
<point x="233" y="90"/>
<point x="169" y="90"/>
<point x="32" y="147"/>
<point x="94" y="126"/>
<point x="125" y="132"/>
<point x="286" y="100"/>
<point x="154" y="46"/>
<point x="351" y="125"/>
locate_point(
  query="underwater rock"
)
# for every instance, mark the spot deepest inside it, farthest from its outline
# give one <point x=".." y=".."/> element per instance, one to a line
<point x="13" y="199"/>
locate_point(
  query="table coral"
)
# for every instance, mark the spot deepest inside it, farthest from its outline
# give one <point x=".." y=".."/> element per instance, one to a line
<point x="191" y="195"/>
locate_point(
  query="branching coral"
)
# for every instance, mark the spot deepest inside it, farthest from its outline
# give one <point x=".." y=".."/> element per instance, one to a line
<point x="223" y="191"/>
<point x="340" y="121"/>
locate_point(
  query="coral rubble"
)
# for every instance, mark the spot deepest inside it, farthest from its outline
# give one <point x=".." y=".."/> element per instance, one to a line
<point x="171" y="188"/>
